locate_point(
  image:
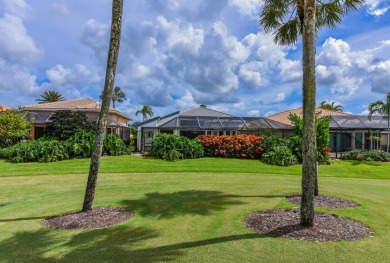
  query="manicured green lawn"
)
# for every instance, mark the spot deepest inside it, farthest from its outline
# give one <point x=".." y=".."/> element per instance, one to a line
<point x="188" y="211"/>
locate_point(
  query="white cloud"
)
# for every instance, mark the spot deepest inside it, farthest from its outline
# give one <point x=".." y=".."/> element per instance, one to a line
<point x="280" y="97"/>
<point x="253" y="113"/>
<point x="380" y="77"/>
<point x="60" y="8"/>
<point x="16" y="45"/>
<point x="239" y="105"/>
<point x="247" y="7"/>
<point x="377" y="7"/>
<point x="186" y="102"/>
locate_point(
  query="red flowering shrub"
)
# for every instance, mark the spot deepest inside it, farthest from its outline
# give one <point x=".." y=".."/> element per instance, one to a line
<point x="237" y="146"/>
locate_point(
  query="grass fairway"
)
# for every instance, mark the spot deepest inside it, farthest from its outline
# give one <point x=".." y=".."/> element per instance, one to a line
<point x="189" y="211"/>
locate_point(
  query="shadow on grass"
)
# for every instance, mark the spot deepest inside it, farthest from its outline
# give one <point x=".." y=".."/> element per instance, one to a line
<point x="122" y="244"/>
<point x="168" y="205"/>
<point x="23" y="219"/>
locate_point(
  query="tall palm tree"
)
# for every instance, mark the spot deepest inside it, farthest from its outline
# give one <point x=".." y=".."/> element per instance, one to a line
<point x="382" y="108"/>
<point x="112" y="60"/>
<point x="50" y="96"/>
<point x="145" y="111"/>
<point x="287" y="21"/>
<point x="331" y="106"/>
<point x="118" y="96"/>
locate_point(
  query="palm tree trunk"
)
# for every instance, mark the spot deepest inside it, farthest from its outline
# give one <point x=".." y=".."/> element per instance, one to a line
<point x="116" y="24"/>
<point x="388" y="132"/>
<point x="309" y="128"/>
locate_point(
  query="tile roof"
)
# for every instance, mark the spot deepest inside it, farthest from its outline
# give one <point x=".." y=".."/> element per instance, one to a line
<point x="4" y="107"/>
<point x="84" y="104"/>
<point x="283" y="116"/>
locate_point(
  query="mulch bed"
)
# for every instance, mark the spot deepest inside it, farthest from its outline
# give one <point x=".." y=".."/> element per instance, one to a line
<point x="324" y="201"/>
<point x="285" y="223"/>
<point x="99" y="217"/>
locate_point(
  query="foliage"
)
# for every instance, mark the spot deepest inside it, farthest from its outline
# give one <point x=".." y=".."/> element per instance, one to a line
<point x="172" y="147"/>
<point x="63" y="124"/>
<point x="284" y="19"/>
<point x="112" y="145"/>
<point x="331" y="106"/>
<point x="13" y="128"/>
<point x="272" y="141"/>
<point x="366" y="155"/>
<point x="5" y="152"/>
<point x="80" y="144"/>
<point x="323" y="137"/>
<point x="280" y="155"/>
<point x="50" y="96"/>
<point x="118" y="96"/>
<point x="41" y="150"/>
<point x="237" y="146"/>
<point x="382" y="108"/>
<point x="145" y="112"/>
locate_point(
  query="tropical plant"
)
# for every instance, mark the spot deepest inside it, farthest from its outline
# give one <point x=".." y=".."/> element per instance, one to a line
<point x="13" y="128"/>
<point x="173" y="147"/>
<point x="288" y="20"/>
<point x="145" y="112"/>
<point x="80" y="144"/>
<point x="203" y="105"/>
<point x="114" y="146"/>
<point x="64" y="124"/>
<point x="118" y="96"/>
<point x="237" y="146"/>
<point x="281" y="156"/>
<point x="112" y="60"/>
<point x="50" y="96"/>
<point x="382" y="108"/>
<point x="41" y="150"/>
<point x="331" y="106"/>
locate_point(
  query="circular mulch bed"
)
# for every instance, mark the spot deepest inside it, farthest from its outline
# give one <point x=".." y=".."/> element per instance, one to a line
<point x="285" y="223"/>
<point x="324" y="201"/>
<point x="99" y="217"/>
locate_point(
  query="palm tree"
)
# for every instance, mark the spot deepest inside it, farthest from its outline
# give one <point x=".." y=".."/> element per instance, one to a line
<point x="382" y="108"/>
<point x="145" y="111"/>
<point x="118" y="96"/>
<point x="112" y="60"/>
<point x="287" y="20"/>
<point x="203" y="105"/>
<point x="50" y="96"/>
<point x="331" y="106"/>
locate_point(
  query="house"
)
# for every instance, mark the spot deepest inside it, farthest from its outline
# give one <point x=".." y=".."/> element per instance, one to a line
<point x="39" y="115"/>
<point x="347" y="131"/>
<point x="3" y="107"/>
<point x="204" y="121"/>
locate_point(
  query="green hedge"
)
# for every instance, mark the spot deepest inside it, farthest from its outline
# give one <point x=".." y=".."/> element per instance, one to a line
<point x="79" y="145"/>
<point x="174" y="147"/>
<point x="366" y="155"/>
<point x="280" y="155"/>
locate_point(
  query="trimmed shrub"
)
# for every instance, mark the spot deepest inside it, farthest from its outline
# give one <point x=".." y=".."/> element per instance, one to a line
<point x="237" y="146"/>
<point x="5" y="152"/>
<point x="41" y="150"/>
<point x="377" y="155"/>
<point x="172" y="147"/>
<point x="272" y="141"/>
<point x="80" y="144"/>
<point x="280" y="155"/>
<point x="114" y="146"/>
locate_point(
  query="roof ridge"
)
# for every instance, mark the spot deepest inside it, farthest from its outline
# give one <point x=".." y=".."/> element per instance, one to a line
<point x="207" y="109"/>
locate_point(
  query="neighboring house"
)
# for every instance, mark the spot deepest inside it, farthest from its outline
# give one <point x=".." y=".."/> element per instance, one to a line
<point x="347" y="131"/>
<point x="39" y="114"/>
<point x="3" y="107"/>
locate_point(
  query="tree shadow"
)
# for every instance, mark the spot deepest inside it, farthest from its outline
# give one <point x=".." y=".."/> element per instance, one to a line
<point x="23" y="218"/>
<point x="168" y="205"/>
<point x="122" y="244"/>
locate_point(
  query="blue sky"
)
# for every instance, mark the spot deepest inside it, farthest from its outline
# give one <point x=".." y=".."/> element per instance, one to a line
<point x="177" y="54"/>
